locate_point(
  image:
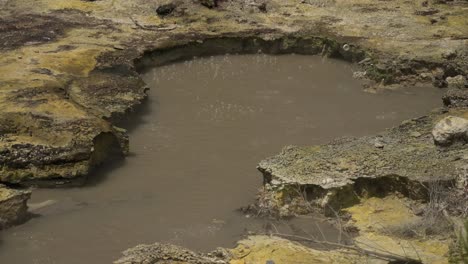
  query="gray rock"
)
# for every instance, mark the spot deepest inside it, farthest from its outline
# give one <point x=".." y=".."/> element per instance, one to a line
<point x="167" y="253"/>
<point x="13" y="207"/>
<point x="209" y="3"/>
<point x="457" y="82"/>
<point x="339" y="172"/>
<point x="449" y="54"/>
<point x="449" y="130"/>
<point x="455" y="97"/>
<point x="426" y="76"/>
<point x="164" y="10"/>
<point x="359" y="74"/>
<point x="438" y="78"/>
<point x="346" y="160"/>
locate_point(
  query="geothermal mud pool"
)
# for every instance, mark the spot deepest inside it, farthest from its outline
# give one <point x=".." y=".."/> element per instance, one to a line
<point x="195" y="144"/>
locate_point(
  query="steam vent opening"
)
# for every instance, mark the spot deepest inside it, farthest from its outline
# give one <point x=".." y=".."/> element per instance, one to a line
<point x="195" y="145"/>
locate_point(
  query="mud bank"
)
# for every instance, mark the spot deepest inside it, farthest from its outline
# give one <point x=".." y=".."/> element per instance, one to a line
<point x="69" y="72"/>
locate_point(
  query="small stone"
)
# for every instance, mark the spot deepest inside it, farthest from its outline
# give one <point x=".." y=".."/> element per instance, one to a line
<point x="450" y="129"/>
<point x="209" y="3"/>
<point x="381" y="67"/>
<point x="166" y="9"/>
<point x="456" y="98"/>
<point x="418" y="210"/>
<point x="457" y="82"/>
<point x="438" y="78"/>
<point x="262" y="7"/>
<point x="449" y="55"/>
<point x="327" y="181"/>
<point x="439" y="83"/>
<point x="359" y="74"/>
<point x="462" y="178"/>
<point x="438" y="73"/>
<point x="426" y="76"/>
<point x="379" y="145"/>
<point x="426" y="12"/>
<point x="415" y="134"/>
<point x="275" y="182"/>
<point x="366" y="60"/>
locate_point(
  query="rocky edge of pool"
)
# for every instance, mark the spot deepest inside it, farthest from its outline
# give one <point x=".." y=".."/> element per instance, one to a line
<point x="69" y="71"/>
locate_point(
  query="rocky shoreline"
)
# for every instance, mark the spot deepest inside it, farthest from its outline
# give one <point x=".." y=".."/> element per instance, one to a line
<point x="69" y="71"/>
<point x="404" y="159"/>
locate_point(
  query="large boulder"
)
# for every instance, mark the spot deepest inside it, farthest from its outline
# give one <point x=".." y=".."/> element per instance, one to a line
<point x="450" y="129"/>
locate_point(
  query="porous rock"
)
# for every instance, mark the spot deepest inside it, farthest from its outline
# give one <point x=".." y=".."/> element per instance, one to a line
<point x="449" y="130"/>
<point x="159" y="253"/>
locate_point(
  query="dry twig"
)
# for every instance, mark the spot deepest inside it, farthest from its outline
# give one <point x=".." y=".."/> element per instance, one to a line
<point x="380" y="255"/>
<point x="152" y="28"/>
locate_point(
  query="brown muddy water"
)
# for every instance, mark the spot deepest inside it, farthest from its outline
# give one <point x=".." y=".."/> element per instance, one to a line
<point x="195" y="145"/>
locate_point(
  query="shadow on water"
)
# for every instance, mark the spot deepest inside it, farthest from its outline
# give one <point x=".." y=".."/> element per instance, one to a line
<point x="102" y="172"/>
<point x="137" y="117"/>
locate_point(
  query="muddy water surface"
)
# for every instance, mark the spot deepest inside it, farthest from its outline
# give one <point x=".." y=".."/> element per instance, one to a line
<point x="195" y="145"/>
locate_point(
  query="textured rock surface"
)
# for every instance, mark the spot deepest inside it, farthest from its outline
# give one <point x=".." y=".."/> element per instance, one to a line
<point x="407" y="151"/>
<point x="13" y="208"/>
<point x="337" y="175"/>
<point x="456" y="97"/>
<point x="450" y="129"/>
<point x="169" y="254"/>
<point x="67" y="67"/>
<point x="457" y="82"/>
